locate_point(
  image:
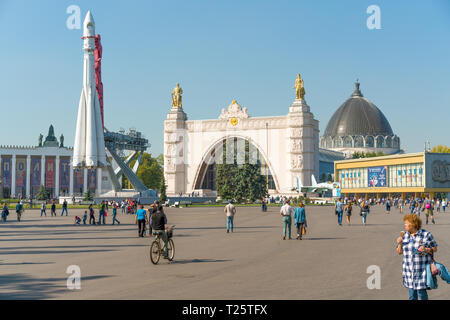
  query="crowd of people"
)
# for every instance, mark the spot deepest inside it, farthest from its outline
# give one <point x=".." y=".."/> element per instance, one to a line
<point x="415" y="206"/>
<point x="415" y="244"/>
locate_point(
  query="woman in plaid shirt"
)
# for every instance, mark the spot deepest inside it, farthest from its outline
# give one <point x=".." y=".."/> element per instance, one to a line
<point x="417" y="245"/>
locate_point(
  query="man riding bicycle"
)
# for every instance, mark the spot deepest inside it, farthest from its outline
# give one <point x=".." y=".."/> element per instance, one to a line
<point x="158" y="224"/>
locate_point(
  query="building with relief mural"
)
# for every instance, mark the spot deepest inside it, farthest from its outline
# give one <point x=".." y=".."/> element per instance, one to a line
<point x="409" y="175"/>
<point x="25" y="169"/>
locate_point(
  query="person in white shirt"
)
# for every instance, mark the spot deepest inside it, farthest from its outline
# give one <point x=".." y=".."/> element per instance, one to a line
<point x="230" y="210"/>
<point x="286" y="212"/>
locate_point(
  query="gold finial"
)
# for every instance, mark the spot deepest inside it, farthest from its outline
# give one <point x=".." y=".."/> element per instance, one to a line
<point x="299" y="89"/>
<point x="234" y="101"/>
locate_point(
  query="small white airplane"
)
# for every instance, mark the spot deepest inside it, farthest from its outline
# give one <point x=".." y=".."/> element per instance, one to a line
<point x="316" y="187"/>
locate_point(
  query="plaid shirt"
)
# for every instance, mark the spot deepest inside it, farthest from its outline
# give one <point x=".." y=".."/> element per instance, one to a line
<point x="415" y="263"/>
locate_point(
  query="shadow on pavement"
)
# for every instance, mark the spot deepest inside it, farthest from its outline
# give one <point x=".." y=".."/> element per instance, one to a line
<point x="323" y="238"/>
<point x="78" y="247"/>
<point x="52" y="252"/>
<point x="24" y="263"/>
<point x="197" y="261"/>
<point x="64" y="239"/>
<point x="26" y="287"/>
<point x="224" y="228"/>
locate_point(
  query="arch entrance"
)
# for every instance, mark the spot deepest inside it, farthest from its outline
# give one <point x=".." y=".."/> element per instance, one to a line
<point x="231" y="150"/>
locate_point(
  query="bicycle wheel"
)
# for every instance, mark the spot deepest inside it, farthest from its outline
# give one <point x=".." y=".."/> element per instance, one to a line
<point x="155" y="252"/>
<point x="170" y="249"/>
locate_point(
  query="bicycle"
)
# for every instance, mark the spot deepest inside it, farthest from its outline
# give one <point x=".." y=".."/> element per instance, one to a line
<point x="157" y="250"/>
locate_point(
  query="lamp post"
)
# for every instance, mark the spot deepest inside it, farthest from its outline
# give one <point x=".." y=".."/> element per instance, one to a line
<point x="267" y="156"/>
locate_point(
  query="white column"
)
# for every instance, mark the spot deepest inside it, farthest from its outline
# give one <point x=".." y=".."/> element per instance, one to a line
<point x="13" y="175"/>
<point x="57" y="177"/>
<point x="71" y="177"/>
<point x="28" y="181"/>
<point x="85" y="181"/>
<point x="43" y="170"/>
<point x="99" y="182"/>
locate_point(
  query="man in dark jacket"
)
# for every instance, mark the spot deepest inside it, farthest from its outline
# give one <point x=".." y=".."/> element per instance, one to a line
<point x="159" y="221"/>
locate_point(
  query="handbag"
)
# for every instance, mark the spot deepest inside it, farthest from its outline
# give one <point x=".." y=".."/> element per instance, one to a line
<point x="434" y="270"/>
<point x="303" y="230"/>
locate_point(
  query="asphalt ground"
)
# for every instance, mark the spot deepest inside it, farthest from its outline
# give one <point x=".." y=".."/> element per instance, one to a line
<point x="252" y="263"/>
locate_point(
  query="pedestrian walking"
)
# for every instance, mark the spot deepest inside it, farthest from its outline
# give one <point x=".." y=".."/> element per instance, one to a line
<point x="412" y="206"/>
<point x="43" y="207"/>
<point x="84" y="217"/>
<point x="365" y="209"/>
<point x="417" y="245"/>
<point x="388" y="206"/>
<point x="5" y="212"/>
<point x="101" y="213"/>
<point x="53" y="209"/>
<point x="263" y="205"/>
<point x="429" y="210"/>
<point x="230" y="210"/>
<point x="338" y="207"/>
<point x="348" y="211"/>
<point x="114" y="214"/>
<point x="300" y="221"/>
<point x="19" y="210"/>
<point x="64" y="208"/>
<point x="444" y="204"/>
<point x="123" y="206"/>
<point x="438" y="206"/>
<point x="400" y="205"/>
<point x="91" y="215"/>
<point x="141" y="220"/>
<point x="286" y="212"/>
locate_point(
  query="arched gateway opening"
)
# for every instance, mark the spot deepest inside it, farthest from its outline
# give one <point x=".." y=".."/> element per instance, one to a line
<point x="230" y="150"/>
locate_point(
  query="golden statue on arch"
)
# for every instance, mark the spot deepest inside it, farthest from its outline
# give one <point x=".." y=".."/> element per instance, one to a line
<point x="176" y="96"/>
<point x="299" y="88"/>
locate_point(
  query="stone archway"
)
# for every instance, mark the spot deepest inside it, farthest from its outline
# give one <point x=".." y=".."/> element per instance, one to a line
<point x="205" y="172"/>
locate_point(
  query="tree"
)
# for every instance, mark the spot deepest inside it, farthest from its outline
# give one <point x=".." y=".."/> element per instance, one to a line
<point x="88" y="196"/>
<point x="42" y="193"/>
<point x="150" y="172"/>
<point x="440" y="149"/>
<point x="330" y="177"/>
<point x="323" y="177"/>
<point x="162" y="190"/>
<point x="225" y="180"/>
<point x="358" y="155"/>
<point x="243" y="182"/>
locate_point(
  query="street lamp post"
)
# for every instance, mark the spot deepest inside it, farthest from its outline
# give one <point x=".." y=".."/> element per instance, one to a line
<point x="267" y="157"/>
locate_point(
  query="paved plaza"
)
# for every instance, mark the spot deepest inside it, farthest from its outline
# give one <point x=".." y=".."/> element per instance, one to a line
<point x="252" y="263"/>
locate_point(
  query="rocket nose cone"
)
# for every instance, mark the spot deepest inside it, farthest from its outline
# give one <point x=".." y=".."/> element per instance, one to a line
<point x="89" y="25"/>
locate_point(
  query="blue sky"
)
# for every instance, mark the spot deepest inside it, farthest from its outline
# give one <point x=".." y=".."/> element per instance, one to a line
<point x="246" y="50"/>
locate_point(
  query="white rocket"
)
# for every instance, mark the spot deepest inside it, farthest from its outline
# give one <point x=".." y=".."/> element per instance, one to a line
<point x="89" y="148"/>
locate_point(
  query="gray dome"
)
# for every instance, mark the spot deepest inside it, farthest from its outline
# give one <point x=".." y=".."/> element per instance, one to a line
<point x="358" y="116"/>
